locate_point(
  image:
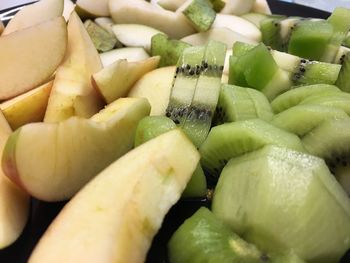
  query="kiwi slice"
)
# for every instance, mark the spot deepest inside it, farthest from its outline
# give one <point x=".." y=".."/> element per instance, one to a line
<point x="297" y="95"/>
<point x="102" y="39"/>
<point x="302" y="119"/>
<point x="343" y="81"/>
<point x="200" y="14"/>
<point x="169" y="50"/>
<point x="233" y="139"/>
<point x="255" y="18"/>
<point x="205" y="98"/>
<point x="335" y="148"/>
<point x="257" y="69"/>
<point x="270" y="30"/>
<point x="346" y="41"/>
<point x="205" y="239"/>
<point x="185" y="80"/>
<point x="153" y="126"/>
<point x="280" y="199"/>
<point x="218" y="5"/>
<point x="238" y="103"/>
<point x="340" y="100"/>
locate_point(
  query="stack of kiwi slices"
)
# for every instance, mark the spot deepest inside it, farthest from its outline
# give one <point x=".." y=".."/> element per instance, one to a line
<point x="274" y="141"/>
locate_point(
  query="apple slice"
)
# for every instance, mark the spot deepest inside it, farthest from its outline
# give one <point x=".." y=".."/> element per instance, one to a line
<point x="72" y="92"/>
<point x="92" y="8"/>
<point x="66" y="155"/>
<point x="261" y="7"/>
<point x="174" y="24"/>
<point x="223" y="35"/>
<point x="237" y="7"/>
<point x="41" y="48"/>
<point x="115" y="217"/>
<point x="28" y="107"/>
<point x="134" y="35"/>
<point x="115" y="81"/>
<point x="155" y="86"/>
<point x="1" y="27"/>
<point x="69" y="7"/>
<point x="132" y="54"/>
<point x="171" y="5"/>
<point x="239" y="25"/>
<point x="14" y="203"/>
<point x="28" y="15"/>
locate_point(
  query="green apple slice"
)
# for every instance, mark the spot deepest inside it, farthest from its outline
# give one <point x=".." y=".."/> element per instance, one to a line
<point x="115" y="217"/>
<point x="66" y="155"/>
<point x="132" y="54"/>
<point x="115" y="81"/>
<point x="28" y="15"/>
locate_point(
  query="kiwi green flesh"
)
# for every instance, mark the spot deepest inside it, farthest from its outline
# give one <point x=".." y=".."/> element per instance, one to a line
<point x="233" y="139"/>
<point x="346" y="41"/>
<point x="169" y="50"/>
<point x="309" y="39"/>
<point x="189" y="67"/>
<point x="239" y="103"/>
<point x="302" y="119"/>
<point x="102" y="39"/>
<point x="335" y="147"/>
<point x="343" y="81"/>
<point x="205" y="98"/>
<point x="200" y="14"/>
<point x="218" y="5"/>
<point x="281" y="200"/>
<point x="153" y="126"/>
<point x="296" y="95"/>
<point x="205" y="239"/>
<point x="340" y="100"/>
<point x="270" y="30"/>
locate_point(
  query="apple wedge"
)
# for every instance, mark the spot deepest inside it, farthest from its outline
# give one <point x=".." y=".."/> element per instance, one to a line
<point x="72" y="92"/>
<point x="28" y="15"/>
<point x="28" y="107"/>
<point x="41" y="48"/>
<point x="14" y="203"/>
<point x="1" y="27"/>
<point x="116" y="80"/>
<point x="66" y="155"/>
<point x="261" y="7"/>
<point x="132" y="54"/>
<point x="171" y="5"/>
<point x="92" y="8"/>
<point x="174" y="24"/>
<point x="155" y="86"/>
<point x="115" y="217"/>
<point x="69" y="7"/>
<point x="237" y="7"/>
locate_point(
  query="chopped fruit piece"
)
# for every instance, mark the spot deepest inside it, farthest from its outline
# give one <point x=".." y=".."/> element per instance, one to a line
<point x="131" y="54"/>
<point x="102" y="39"/>
<point x="92" y="8"/>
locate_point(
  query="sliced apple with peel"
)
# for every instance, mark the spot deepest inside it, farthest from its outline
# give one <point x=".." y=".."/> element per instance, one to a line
<point x="28" y="107"/>
<point x="92" y="8"/>
<point x="116" y="80"/>
<point x="224" y="35"/>
<point x="72" y="92"/>
<point x="114" y="218"/>
<point x="239" y="25"/>
<point x="66" y="155"/>
<point x="132" y="54"/>
<point x="174" y="24"/>
<point x="41" y="47"/>
<point x="155" y="86"/>
<point x="14" y="203"/>
<point x="28" y="15"/>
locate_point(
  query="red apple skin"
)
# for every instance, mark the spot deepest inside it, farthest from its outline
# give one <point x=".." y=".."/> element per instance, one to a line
<point x="9" y="165"/>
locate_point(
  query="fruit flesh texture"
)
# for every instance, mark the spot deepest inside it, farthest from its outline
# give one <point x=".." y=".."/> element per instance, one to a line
<point x="88" y="147"/>
<point x="238" y="104"/>
<point x="340" y="100"/>
<point x="302" y="119"/>
<point x="102" y="39"/>
<point x="169" y="50"/>
<point x="185" y="81"/>
<point x="153" y="126"/>
<point x="233" y="139"/>
<point x="295" y="96"/>
<point x="200" y="13"/>
<point x="204" y="238"/>
<point x="199" y="118"/>
<point x="343" y="81"/>
<point x="254" y="196"/>
<point x="141" y="186"/>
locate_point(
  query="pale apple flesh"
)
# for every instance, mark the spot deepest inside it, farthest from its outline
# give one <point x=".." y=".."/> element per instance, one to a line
<point x="66" y="155"/>
<point x="14" y="203"/>
<point x="72" y="92"/>
<point x="44" y="49"/>
<point x="28" y="15"/>
<point x="114" y="218"/>
<point x="116" y="80"/>
<point x="92" y="8"/>
<point x="28" y="107"/>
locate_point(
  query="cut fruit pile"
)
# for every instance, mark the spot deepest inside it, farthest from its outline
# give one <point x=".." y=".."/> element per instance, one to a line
<point x="124" y="107"/>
